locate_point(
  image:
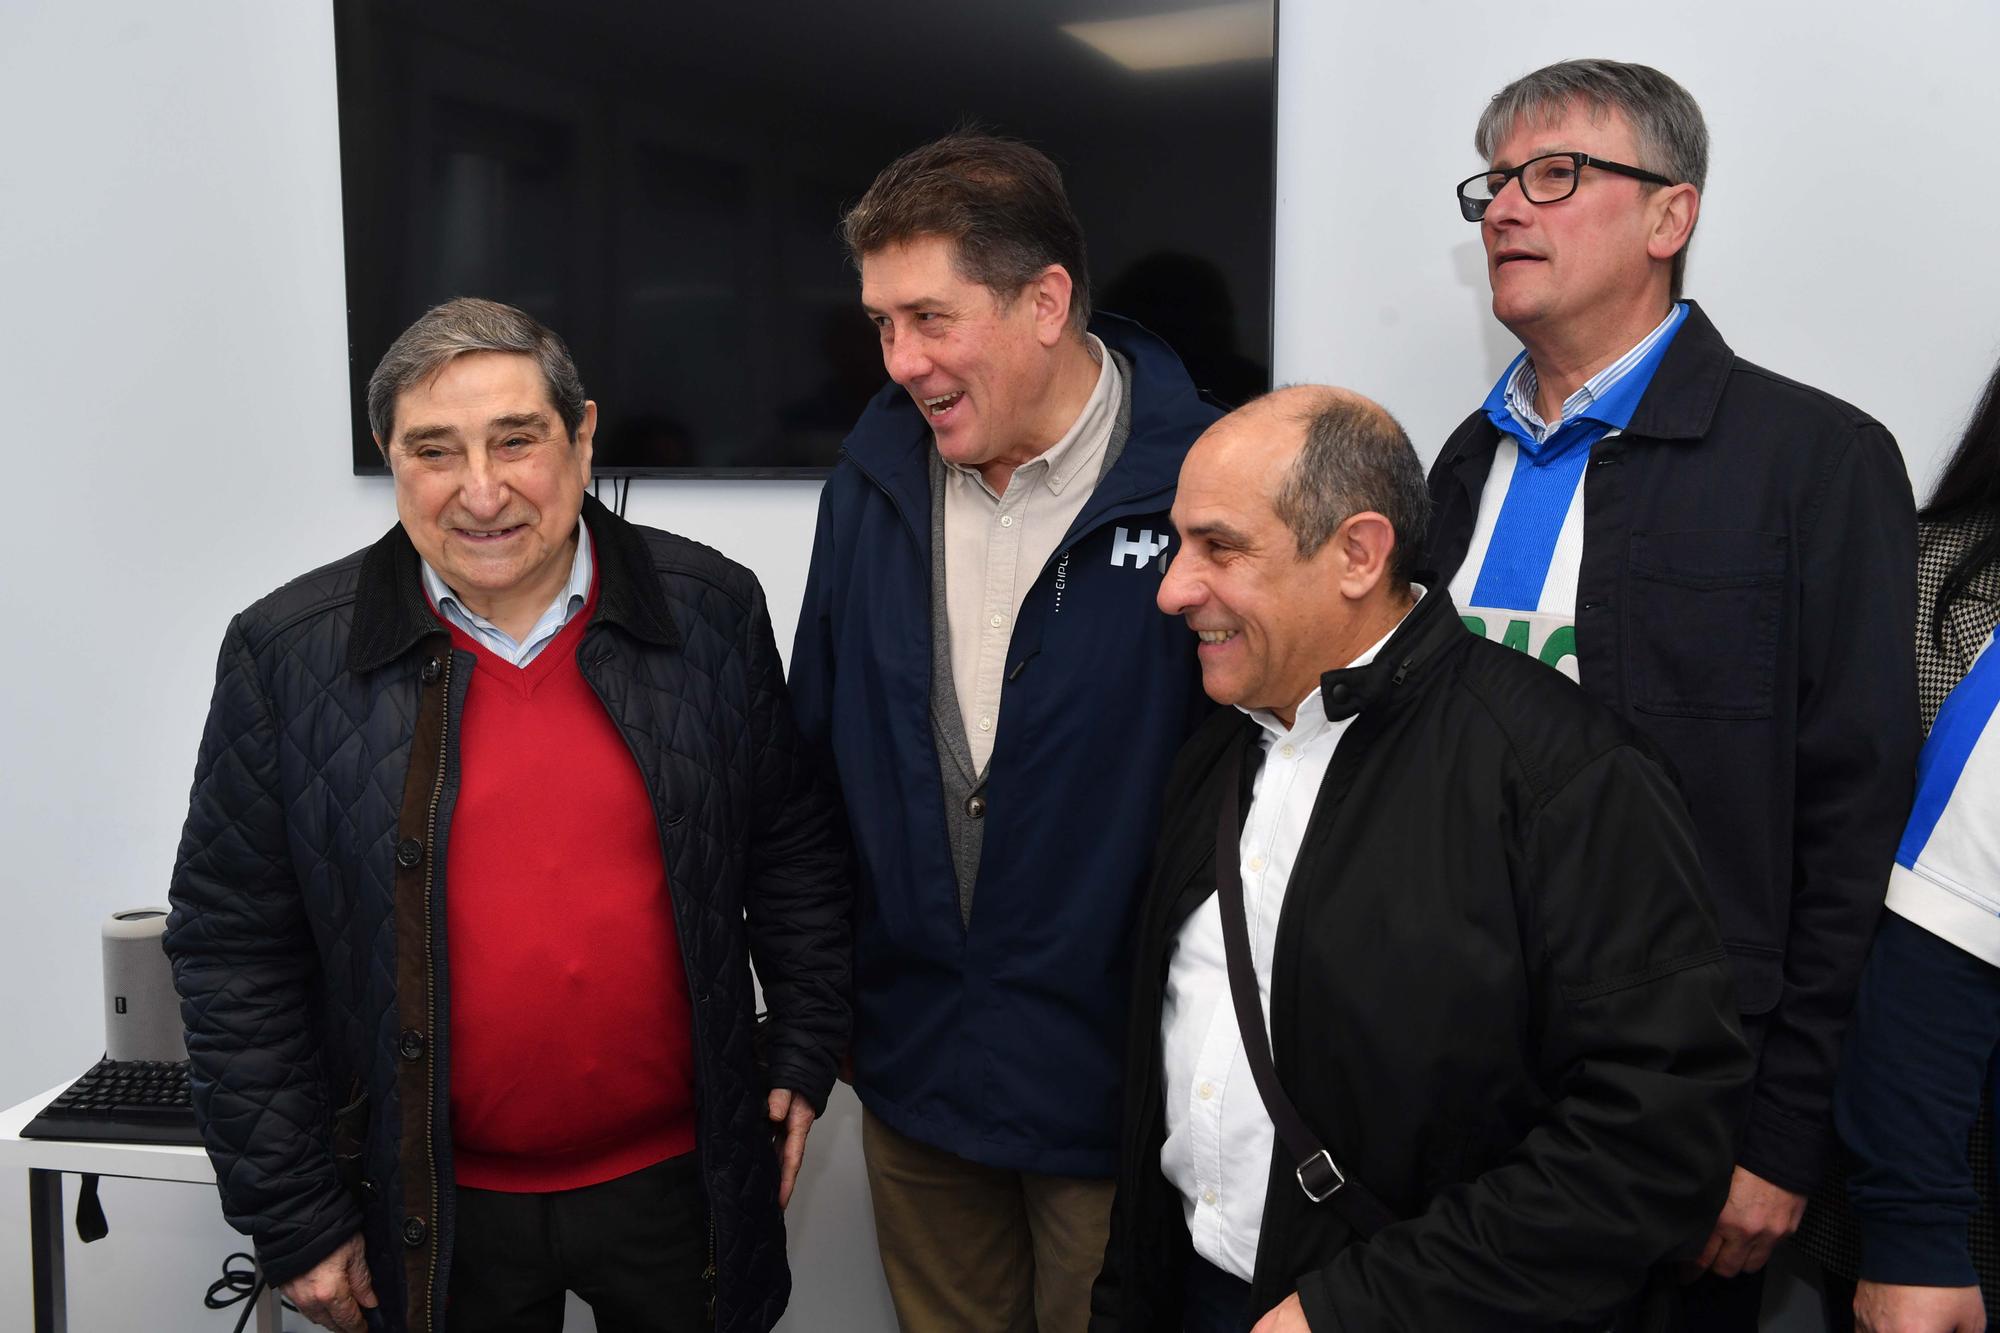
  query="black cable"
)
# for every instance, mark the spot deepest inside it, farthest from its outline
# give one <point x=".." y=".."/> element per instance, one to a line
<point x="246" y="1284"/>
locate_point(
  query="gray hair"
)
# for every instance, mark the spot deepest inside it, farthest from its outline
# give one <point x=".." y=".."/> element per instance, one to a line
<point x="469" y="324"/>
<point x="1666" y="121"/>
<point x="1356" y="459"/>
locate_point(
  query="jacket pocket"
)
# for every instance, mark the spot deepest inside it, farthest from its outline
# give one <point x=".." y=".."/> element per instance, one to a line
<point x="1758" y="974"/>
<point x="350" y="1138"/>
<point x="1701" y="624"/>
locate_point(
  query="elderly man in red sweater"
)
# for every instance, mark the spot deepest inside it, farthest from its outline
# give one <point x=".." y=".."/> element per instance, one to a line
<point x="488" y="821"/>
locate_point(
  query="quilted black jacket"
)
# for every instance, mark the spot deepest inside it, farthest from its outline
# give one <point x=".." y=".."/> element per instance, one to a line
<point x="307" y="933"/>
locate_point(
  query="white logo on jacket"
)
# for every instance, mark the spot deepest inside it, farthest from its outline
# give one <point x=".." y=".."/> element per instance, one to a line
<point x="1142" y="549"/>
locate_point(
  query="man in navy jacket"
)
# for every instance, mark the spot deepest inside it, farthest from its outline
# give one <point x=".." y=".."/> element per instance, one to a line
<point x="1723" y="556"/>
<point x="980" y="663"/>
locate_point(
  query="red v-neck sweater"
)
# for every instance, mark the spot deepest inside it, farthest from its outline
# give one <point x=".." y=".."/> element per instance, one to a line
<point x="572" y="1057"/>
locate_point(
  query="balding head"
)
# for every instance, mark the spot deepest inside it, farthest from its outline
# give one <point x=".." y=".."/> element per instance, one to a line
<point x="1299" y="515"/>
<point x="1341" y="454"/>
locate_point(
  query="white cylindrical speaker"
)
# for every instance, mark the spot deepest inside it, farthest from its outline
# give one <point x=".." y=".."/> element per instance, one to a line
<point x="142" y="1015"/>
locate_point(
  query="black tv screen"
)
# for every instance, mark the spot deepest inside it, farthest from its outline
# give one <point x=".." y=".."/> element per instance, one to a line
<point x="662" y="184"/>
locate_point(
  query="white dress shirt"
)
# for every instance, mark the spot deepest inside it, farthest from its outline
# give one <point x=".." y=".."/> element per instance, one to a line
<point x="1219" y="1136"/>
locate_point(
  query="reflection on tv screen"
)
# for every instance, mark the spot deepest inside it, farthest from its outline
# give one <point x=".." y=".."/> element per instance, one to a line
<point x="663" y="185"/>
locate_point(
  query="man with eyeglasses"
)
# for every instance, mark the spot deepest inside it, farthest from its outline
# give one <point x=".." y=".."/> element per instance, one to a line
<point x="1723" y="556"/>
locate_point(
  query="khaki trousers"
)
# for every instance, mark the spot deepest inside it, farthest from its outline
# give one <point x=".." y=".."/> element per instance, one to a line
<point x="974" y="1249"/>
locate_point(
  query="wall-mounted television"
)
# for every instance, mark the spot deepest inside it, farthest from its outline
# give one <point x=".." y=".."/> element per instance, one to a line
<point x="662" y="184"/>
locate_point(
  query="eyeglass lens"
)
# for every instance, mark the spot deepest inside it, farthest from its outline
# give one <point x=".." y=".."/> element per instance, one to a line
<point x="1544" y="180"/>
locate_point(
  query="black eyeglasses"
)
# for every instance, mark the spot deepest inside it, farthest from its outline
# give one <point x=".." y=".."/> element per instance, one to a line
<point x="1544" y="180"/>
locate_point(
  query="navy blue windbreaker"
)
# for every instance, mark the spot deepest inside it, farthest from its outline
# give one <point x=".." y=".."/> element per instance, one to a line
<point x="1002" y="1042"/>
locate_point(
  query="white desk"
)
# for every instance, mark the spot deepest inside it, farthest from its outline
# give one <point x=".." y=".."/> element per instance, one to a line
<point x="47" y="1159"/>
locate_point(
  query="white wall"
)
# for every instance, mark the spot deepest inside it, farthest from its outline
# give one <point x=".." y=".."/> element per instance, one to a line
<point x="172" y="344"/>
<point x="1845" y="236"/>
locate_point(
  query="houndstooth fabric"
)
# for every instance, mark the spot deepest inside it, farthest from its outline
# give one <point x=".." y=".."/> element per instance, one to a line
<point x="1829" y="1232"/>
<point x="1969" y="619"/>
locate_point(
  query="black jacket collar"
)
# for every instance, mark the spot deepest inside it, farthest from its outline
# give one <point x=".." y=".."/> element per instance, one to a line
<point x="1687" y="388"/>
<point x="1677" y="407"/>
<point x="1431" y="626"/>
<point x="391" y="612"/>
<point x="1389" y="682"/>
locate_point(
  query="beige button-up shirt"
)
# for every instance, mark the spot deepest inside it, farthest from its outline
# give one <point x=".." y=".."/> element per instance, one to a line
<point x="996" y="545"/>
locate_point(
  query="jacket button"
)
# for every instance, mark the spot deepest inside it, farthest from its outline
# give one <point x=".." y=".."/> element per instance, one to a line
<point x="975" y="806"/>
<point x="369" y="1193"/>
<point x="414" y="1231"/>
<point x="411" y="1047"/>
<point x="433" y="671"/>
<point x="408" y="852"/>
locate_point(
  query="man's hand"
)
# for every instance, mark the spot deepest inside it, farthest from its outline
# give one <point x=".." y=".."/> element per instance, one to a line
<point x="791" y="1118"/>
<point x="336" y="1290"/>
<point x="1757" y="1216"/>
<point x="1881" y="1307"/>
<point x="1289" y="1317"/>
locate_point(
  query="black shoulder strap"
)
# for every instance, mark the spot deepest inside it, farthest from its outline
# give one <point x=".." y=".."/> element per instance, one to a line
<point x="1318" y="1176"/>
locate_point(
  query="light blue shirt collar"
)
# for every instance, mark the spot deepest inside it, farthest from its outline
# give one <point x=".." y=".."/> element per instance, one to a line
<point x="1607" y="398"/>
<point x="496" y="640"/>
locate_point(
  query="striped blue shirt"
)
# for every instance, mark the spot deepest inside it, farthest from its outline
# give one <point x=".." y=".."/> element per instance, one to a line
<point x="498" y="641"/>
<point x="1596" y="400"/>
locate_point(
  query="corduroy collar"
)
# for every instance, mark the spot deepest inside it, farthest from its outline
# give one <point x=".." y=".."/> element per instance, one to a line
<point x="391" y="613"/>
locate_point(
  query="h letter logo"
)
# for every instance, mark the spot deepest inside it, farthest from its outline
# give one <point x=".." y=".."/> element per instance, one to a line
<point x="1142" y="548"/>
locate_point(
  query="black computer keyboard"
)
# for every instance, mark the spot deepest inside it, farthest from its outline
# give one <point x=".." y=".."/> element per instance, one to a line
<point x="128" y="1101"/>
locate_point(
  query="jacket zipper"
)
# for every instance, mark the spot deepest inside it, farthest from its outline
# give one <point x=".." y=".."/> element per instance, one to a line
<point x="708" y="1273"/>
<point x="430" y="985"/>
